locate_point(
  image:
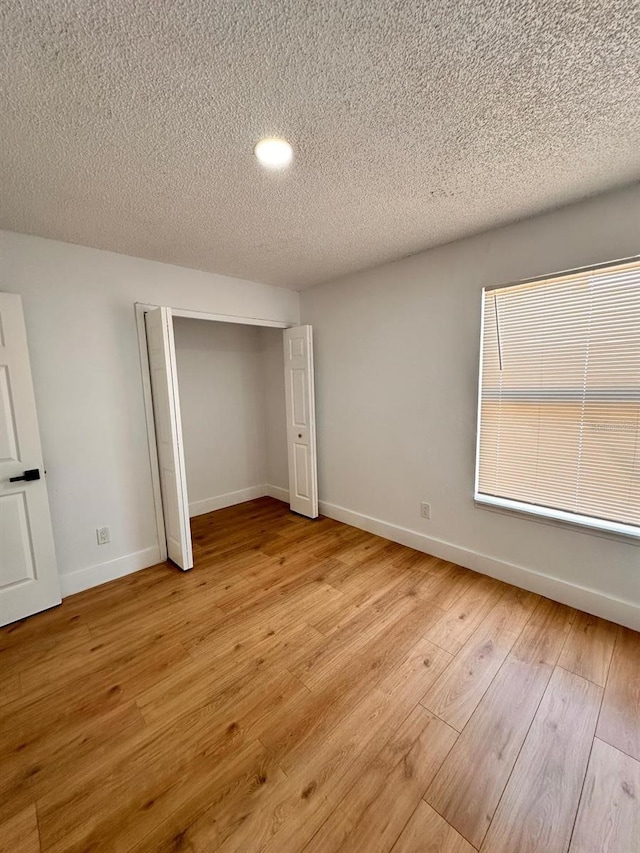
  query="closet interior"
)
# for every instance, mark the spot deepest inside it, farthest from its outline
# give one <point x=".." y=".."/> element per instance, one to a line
<point x="232" y="403"/>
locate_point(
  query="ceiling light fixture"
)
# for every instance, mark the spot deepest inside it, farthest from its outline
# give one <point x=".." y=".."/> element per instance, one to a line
<point x="274" y="153"/>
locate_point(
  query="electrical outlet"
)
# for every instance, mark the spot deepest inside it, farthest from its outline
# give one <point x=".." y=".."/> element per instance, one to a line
<point x="425" y="510"/>
<point x="103" y="535"/>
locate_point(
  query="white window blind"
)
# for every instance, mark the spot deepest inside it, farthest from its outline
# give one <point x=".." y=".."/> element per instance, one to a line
<point x="559" y="417"/>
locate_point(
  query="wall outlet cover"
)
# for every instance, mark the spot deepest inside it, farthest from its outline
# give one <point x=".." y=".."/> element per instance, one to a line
<point x="103" y="535"/>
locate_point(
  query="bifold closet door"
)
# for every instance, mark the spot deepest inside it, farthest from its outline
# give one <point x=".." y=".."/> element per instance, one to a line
<point x="166" y="410"/>
<point x="301" y="420"/>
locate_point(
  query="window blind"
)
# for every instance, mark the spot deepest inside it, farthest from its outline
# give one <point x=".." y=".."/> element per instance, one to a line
<point x="559" y="417"/>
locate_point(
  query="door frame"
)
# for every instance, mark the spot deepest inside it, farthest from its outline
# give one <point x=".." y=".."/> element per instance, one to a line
<point x="141" y="309"/>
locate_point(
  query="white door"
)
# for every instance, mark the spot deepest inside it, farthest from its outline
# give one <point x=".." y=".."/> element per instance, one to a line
<point x="301" y="420"/>
<point x="28" y="572"/>
<point x="166" y="409"/>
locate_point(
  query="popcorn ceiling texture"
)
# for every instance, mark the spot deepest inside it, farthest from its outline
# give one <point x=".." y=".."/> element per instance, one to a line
<point x="130" y="126"/>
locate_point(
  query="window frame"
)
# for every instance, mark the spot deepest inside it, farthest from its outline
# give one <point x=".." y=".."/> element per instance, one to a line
<point x="587" y="523"/>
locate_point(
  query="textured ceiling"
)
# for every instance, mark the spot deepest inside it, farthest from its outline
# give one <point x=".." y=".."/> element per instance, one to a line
<point x="130" y="125"/>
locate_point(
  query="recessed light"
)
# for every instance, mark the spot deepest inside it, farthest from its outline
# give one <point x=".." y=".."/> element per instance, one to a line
<point x="274" y="153"/>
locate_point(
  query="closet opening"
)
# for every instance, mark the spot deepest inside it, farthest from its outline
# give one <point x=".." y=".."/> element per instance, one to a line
<point x="230" y="414"/>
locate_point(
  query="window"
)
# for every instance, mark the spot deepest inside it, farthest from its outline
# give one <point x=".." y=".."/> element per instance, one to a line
<point x="559" y="407"/>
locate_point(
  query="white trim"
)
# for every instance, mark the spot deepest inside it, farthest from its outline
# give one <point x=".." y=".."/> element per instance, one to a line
<point x="218" y="318"/>
<point x="594" y="525"/>
<point x="278" y="493"/>
<point x="230" y="318"/>
<point x="590" y="600"/>
<point x="91" y="576"/>
<point x="229" y="499"/>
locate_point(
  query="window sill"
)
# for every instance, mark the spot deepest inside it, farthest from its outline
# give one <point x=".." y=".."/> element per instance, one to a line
<point x="577" y="523"/>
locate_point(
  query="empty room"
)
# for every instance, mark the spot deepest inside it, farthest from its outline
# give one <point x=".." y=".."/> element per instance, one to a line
<point x="320" y="426"/>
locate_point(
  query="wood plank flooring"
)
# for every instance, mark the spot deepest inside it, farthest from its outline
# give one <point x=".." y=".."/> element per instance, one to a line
<point x="311" y="687"/>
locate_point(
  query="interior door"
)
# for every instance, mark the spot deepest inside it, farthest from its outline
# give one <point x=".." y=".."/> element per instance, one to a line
<point x="301" y="420"/>
<point x="28" y="572"/>
<point x="166" y="409"/>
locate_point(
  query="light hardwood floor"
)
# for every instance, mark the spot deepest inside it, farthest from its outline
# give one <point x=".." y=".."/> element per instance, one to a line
<point x="310" y="687"/>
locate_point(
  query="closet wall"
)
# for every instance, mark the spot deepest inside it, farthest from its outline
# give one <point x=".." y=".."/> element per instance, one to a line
<point x="275" y="416"/>
<point x="232" y="402"/>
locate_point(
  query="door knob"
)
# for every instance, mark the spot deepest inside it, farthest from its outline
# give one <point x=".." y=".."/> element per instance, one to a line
<point x="31" y="474"/>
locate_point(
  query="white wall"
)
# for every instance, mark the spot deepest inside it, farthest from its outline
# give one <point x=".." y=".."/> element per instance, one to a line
<point x="275" y="412"/>
<point x="231" y="381"/>
<point x="80" y="319"/>
<point x="396" y="377"/>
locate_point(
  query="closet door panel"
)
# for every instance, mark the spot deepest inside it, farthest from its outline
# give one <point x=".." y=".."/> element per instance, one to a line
<point x="301" y="422"/>
<point x="166" y="410"/>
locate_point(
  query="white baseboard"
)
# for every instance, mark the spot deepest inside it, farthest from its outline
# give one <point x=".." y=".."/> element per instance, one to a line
<point x="230" y="499"/>
<point x="95" y="575"/>
<point x="590" y="600"/>
<point x="278" y="493"/>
